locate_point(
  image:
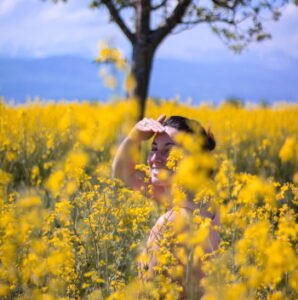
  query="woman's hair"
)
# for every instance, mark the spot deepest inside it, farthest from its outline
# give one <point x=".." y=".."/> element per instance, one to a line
<point x="193" y="127"/>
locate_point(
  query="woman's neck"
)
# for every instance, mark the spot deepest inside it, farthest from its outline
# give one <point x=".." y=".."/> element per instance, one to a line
<point x="162" y="193"/>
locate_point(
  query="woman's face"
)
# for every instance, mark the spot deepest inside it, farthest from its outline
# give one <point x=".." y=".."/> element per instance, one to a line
<point x="160" y="149"/>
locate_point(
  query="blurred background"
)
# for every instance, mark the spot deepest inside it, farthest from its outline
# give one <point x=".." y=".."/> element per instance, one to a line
<point x="48" y="50"/>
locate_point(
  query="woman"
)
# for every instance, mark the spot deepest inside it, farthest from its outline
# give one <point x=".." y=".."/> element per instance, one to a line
<point x="164" y="140"/>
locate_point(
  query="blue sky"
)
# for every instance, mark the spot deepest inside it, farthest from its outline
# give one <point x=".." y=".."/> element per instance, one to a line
<point x="37" y="28"/>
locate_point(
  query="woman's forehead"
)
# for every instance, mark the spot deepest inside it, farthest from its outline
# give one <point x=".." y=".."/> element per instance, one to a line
<point x="166" y="137"/>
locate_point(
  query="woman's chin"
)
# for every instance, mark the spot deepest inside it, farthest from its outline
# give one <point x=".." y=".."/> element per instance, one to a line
<point x="159" y="182"/>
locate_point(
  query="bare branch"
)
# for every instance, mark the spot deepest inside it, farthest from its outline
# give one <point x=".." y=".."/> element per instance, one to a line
<point x="225" y="4"/>
<point x="158" y="6"/>
<point x="175" y="18"/>
<point x="117" y="18"/>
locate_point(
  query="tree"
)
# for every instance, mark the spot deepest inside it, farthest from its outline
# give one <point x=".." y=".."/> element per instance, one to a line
<point x="146" y="23"/>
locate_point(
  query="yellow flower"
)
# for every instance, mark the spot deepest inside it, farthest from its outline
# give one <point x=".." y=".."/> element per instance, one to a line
<point x="28" y="202"/>
<point x="56" y="181"/>
<point x="129" y="83"/>
<point x="289" y="151"/>
<point x="4" y="290"/>
<point x="176" y="154"/>
<point x="110" y="82"/>
<point x="104" y="54"/>
<point x="5" y="177"/>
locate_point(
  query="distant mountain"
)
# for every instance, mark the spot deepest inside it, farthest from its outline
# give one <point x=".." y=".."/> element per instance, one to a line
<point x="54" y="78"/>
<point x="250" y="81"/>
<point x="70" y="78"/>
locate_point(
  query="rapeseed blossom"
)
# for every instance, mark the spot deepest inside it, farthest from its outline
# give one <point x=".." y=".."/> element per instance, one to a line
<point x="70" y="231"/>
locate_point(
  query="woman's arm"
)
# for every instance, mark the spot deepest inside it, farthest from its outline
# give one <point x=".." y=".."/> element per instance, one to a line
<point x="126" y="157"/>
<point x="125" y="160"/>
<point x="214" y="236"/>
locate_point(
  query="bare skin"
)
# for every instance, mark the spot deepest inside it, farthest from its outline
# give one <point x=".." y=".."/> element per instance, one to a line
<point x="126" y="156"/>
<point x="124" y="163"/>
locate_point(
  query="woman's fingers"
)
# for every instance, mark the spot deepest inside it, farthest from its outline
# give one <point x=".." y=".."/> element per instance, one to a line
<point x="161" y="118"/>
<point x="145" y="128"/>
<point x="156" y="125"/>
<point x="150" y="125"/>
<point x="144" y="124"/>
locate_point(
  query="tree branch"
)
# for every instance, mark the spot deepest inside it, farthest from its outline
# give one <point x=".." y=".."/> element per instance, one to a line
<point x="175" y="18"/>
<point x="224" y="4"/>
<point x="158" y="6"/>
<point x="117" y="19"/>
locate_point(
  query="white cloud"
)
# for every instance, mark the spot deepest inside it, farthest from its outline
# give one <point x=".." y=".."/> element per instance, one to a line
<point x="66" y="13"/>
<point x="44" y="28"/>
<point x="197" y="44"/>
<point x="201" y="44"/>
<point x="291" y="11"/>
<point x="55" y="29"/>
<point x="7" y="6"/>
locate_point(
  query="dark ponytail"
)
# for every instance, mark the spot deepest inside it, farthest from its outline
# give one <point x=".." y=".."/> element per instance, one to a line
<point x="210" y="141"/>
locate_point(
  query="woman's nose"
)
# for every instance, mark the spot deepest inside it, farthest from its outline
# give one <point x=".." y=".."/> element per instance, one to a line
<point x="157" y="156"/>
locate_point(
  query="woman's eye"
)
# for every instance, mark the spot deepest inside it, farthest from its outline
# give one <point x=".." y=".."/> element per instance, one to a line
<point x="153" y="149"/>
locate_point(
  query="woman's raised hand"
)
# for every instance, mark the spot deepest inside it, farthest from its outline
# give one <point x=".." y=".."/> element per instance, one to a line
<point x="146" y="128"/>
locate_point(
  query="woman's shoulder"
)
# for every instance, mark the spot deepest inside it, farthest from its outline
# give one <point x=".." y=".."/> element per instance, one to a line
<point x="175" y="217"/>
<point x="171" y="220"/>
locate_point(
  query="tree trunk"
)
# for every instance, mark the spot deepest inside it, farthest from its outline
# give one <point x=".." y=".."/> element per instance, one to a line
<point x="145" y="41"/>
<point x="142" y="58"/>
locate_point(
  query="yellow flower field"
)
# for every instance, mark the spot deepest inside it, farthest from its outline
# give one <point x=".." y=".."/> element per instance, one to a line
<point x="70" y="231"/>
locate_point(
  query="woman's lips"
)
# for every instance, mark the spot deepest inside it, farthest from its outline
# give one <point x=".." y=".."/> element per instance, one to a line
<point x="157" y="169"/>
